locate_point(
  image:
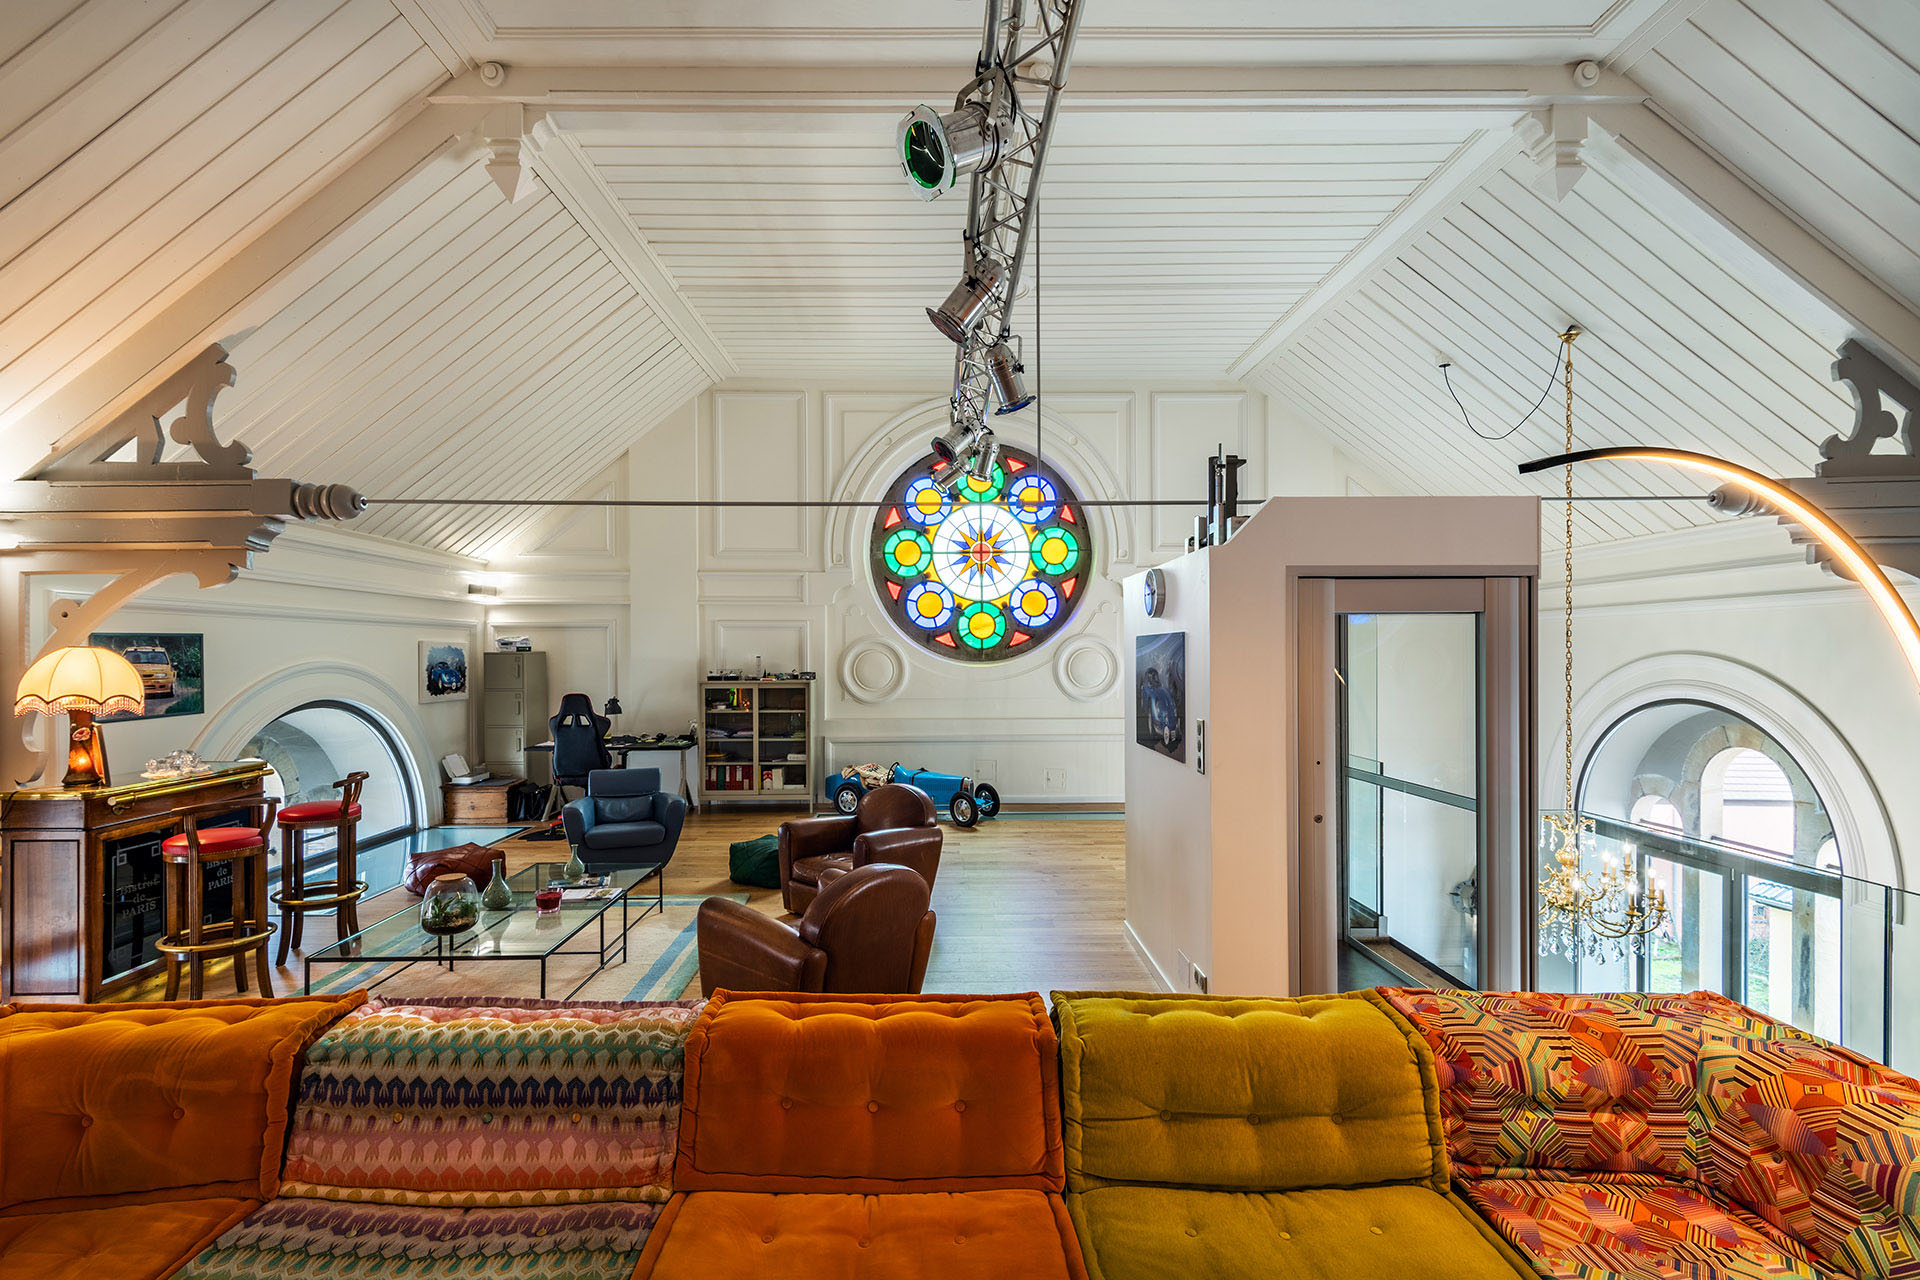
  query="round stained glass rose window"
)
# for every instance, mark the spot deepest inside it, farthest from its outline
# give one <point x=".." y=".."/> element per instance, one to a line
<point x="986" y="573"/>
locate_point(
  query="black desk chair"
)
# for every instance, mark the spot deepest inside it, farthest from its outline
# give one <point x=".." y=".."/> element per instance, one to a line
<point x="579" y="742"/>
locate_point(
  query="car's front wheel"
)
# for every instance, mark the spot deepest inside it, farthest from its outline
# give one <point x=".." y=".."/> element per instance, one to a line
<point x="986" y="800"/>
<point x="963" y="811"/>
<point x="847" y="800"/>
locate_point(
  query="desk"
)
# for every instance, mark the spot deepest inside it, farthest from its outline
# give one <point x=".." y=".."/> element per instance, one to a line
<point x="671" y="752"/>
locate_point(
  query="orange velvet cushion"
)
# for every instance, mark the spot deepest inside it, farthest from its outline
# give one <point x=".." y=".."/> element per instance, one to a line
<point x="127" y="1242"/>
<point x="215" y="840"/>
<point x="870" y="1093"/>
<point x="175" y="1100"/>
<point x="982" y="1235"/>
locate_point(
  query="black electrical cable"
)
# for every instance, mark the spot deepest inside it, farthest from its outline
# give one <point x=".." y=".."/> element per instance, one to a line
<point x="1552" y="377"/>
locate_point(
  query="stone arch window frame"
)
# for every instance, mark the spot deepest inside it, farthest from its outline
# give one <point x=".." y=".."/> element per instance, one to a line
<point x="396" y="752"/>
<point x="1870" y="849"/>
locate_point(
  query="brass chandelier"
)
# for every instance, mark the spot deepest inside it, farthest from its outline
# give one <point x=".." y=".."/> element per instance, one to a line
<point x="1605" y="911"/>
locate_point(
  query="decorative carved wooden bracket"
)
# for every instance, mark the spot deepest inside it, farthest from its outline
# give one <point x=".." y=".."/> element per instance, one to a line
<point x="1873" y="495"/>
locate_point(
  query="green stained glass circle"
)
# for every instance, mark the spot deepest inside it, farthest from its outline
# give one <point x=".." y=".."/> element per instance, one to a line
<point x="907" y="554"/>
<point x="1056" y="551"/>
<point x="981" y="625"/>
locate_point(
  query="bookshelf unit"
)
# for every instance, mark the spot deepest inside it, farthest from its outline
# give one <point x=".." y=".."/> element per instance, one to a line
<point x="756" y="743"/>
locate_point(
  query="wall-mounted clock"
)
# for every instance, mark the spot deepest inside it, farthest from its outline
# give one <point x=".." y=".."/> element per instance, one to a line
<point x="1155" y="596"/>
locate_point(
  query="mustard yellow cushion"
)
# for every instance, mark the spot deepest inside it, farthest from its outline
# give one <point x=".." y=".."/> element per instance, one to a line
<point x="1342" y="1233"/>
<point x="124" y="1242"/>
<point x="1245" y="1094"/>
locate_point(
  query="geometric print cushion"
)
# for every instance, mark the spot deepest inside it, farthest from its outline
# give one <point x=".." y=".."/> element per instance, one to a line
<point x="325" y="1240"/>
<point x="1823" y="1144"/>
<point x="1637" y="1227"/>
<point x="491" y="1102"/>
<point x="1535" y="1080"/>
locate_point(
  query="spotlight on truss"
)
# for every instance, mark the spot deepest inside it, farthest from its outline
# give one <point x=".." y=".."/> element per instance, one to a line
<point x="968" y="303"/>
<point x="1009" y="378"/>
<point x="937" y="150"/>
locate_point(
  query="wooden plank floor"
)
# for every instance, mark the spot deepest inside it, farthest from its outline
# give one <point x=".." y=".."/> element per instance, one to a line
<point x="1024" y="904"/>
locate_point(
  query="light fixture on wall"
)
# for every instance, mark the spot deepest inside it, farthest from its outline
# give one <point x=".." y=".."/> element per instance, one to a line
<point x="1605" y="910"/>
<point x="84" y="682"/>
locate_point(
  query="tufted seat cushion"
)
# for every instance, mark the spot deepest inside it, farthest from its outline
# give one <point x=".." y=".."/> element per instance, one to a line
<point x="743" y="1235"/>
<point x="314" y="810"/>
<point x="1264" y="1095"/>
<point x="321" y="1240"/>
<point x="491" y="1102"/>
<point x="105" y="1104"/>
<point x="1640" y="1225"/>
<point x="125" y="1242"/>
<point x="870" y="1094"/>
<point x="1384" y="1233"/>
<point x="1236" y="1138"/>
<point x="215" y="840"/>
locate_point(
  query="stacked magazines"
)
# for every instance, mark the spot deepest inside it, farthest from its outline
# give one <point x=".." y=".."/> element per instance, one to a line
<point x="585" y="889"/>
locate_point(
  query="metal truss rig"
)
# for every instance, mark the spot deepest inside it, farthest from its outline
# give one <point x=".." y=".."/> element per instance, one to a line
<point x="1001" y="195"/>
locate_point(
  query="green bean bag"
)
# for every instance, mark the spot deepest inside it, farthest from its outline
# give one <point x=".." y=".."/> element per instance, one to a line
<point x="755" y="862"/>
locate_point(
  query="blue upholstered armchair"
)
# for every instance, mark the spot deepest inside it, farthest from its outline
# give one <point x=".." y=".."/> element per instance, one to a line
<point x="624" y="820"/>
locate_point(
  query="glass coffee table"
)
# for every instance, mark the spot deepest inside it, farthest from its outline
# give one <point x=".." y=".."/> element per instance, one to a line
<point x="519" y="933"/>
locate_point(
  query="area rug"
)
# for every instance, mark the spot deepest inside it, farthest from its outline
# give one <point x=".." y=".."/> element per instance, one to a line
<point x="662" y="964"/>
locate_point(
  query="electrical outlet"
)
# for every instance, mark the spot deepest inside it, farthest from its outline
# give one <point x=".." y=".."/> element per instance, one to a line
<point x="1200" y="745"/>
<point x="1196" y="978"/>
<point x="1199" y="980"/>
<point x="1056" y="779"/>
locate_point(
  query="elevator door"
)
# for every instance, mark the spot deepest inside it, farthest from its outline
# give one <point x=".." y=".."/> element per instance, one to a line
<point x="1414" y="845"/>
<point x="1408" y="716"/>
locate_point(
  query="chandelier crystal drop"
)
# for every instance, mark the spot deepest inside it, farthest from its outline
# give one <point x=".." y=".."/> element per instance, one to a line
<point x="1600" y="907"/>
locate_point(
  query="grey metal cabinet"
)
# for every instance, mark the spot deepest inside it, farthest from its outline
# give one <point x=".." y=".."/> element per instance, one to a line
<point x="514" y="711"/>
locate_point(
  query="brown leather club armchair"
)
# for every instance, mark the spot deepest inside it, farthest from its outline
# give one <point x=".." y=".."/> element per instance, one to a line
<point x="867" y="930"/>
<point x="894" y="823"/>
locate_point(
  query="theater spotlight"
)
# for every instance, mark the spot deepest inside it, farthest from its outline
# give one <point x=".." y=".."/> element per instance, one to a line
<point x="960" y="449"/>
<point x="967" y="303"/>
<point x="936" y="150"/>
<point x="1009" y="378"/>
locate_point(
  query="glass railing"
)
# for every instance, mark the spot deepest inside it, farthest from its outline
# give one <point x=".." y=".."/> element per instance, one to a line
<point x="1832" y="953"/>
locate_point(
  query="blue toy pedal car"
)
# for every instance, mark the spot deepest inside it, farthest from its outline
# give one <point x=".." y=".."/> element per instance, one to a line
<point x="965" y="800"/>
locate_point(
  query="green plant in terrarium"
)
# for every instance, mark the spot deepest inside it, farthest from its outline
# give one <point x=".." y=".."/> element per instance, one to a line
<point x="451" y="905"/>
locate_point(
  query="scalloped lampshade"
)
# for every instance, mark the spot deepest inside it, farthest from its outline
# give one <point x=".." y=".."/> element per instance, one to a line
<point x="84" y="682"/>
<point x="96" y="681"/>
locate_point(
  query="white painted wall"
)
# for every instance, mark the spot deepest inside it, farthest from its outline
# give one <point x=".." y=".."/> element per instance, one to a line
<point x="714" y="588"/>
<point x="324" y="614"/>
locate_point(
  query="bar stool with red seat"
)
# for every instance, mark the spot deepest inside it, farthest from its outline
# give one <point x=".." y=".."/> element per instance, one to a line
<point x="191" y="938"/>
<point x="296" y="897"/>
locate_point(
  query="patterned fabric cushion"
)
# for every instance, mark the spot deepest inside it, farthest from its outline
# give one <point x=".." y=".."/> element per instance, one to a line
<point x="1580" y="1083"/>
<point x="321" y="1240"/>
<point x="491" y="1102"/>
<point x="1807" y="1138"/>
<point x="1635" y="1227"/>
<point x="1822" y="1144"/>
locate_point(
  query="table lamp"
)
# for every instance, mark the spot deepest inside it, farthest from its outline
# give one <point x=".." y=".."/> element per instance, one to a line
<point x="84" y="682"/>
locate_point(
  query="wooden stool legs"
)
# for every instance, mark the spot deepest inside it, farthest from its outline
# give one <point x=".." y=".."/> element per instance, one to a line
<point x="297" y="898"/>
<point x="184" y="904"/>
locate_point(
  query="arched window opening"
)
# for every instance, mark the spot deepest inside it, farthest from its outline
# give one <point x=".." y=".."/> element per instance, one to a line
<point x="1720" y="816"/>
<point x="315" y="745"/>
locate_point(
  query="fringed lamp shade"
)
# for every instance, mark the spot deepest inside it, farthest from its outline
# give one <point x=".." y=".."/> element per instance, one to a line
<point x="84" y="683"/>
<point x="97" y="681"/>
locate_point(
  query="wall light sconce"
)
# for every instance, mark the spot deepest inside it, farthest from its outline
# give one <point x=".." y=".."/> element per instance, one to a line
<point x="1863" y="568"/>
<point x="482" y="589"/>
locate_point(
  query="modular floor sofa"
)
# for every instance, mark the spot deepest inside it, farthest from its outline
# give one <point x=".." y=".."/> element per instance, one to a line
<point x="1400" y="1134"/>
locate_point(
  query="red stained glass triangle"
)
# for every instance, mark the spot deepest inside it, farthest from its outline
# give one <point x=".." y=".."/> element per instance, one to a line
<point x="946" y="640"/>
<point x="1066" y="513"/>
<point x="1019" y="637"/>
<point x="893" y="518"/>
<point x="893" y="589"/>
<point x="1016" y="466"/>
<point x="1066" y="588"/>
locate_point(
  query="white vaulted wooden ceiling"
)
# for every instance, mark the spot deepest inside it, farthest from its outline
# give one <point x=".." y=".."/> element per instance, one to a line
<point x="178" y="171"/>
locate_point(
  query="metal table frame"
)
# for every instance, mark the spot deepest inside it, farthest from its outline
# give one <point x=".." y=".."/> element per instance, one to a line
<point x="439" y="952"/>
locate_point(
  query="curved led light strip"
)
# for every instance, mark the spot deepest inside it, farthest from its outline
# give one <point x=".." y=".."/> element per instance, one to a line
<point x="1866" y="571"/>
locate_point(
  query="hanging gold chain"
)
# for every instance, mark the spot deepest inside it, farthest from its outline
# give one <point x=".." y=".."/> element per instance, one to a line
<point x="1566" y="340"/>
